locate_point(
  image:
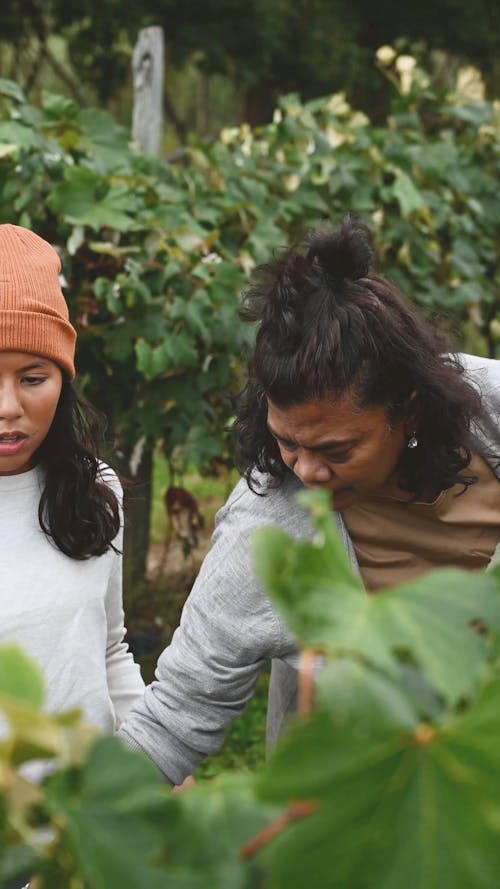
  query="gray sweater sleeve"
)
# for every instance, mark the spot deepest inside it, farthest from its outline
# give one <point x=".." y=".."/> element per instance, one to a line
<point x="228" y="630"/>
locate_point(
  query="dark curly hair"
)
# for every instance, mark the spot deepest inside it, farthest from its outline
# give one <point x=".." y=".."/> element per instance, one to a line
<point x="77" y="509"/>
<point x="328" y="324"/>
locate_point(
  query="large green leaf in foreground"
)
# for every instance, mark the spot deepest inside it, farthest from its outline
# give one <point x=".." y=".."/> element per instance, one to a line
<point x="324" y="604"/>
<point x="399" y="804"/>
<point x="218" y="818"/>
<point x="114" y="814"/>
<point x="19" y="677"/>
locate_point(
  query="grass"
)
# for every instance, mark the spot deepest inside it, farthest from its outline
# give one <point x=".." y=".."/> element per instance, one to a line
<point x="245" y="745"/>
<point x="209" y="490"/>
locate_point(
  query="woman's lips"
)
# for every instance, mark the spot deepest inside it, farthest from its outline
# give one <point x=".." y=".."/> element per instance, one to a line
<point x="11" y="443"/>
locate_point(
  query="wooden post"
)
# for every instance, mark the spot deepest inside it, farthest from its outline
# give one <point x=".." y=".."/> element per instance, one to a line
<point x="148" y="71"/>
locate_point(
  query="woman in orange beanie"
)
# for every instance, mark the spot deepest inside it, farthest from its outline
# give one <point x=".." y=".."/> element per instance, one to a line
<point x="60" y="507"/>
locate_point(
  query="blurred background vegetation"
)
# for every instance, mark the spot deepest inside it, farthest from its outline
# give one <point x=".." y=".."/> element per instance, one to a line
<point x="228" y="61"/>
<point x="278" y="116"/>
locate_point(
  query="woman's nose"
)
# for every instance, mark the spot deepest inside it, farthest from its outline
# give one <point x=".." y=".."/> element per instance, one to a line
<point x="10" y="405"/>
<point x="311" y="470"/>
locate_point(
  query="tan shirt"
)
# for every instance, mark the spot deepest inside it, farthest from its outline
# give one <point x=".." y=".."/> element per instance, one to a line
<point x="396" y="541"/>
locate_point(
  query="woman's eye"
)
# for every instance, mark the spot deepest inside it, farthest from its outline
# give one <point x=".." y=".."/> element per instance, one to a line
<point x="34" y="381"/>
<point x="337" y="458"/>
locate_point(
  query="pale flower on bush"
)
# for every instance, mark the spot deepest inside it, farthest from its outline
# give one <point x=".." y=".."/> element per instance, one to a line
<point x="247" y="262"/>
<point x="405" y="66"/>
<point x="359" y="119"/>
<point x="291" y="182"/>
<point x="404" y="255"/>
<point x="229" y="135"/>
<point x="335" y="137"/>
<point x="405" y="63"/>
<point x="338" y="104"/>
<point x="470" y="85"/>
<point x="211" y="258"/>
<point x="385" y="55"/>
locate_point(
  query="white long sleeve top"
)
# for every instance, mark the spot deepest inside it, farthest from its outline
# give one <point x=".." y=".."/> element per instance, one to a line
<point x="66" y="614"/>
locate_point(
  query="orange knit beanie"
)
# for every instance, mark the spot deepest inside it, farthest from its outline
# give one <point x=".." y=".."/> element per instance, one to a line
<point x="33" y="313"/>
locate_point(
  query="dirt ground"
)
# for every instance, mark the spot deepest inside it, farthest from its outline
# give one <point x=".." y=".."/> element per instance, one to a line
<point x="153" y="617"/>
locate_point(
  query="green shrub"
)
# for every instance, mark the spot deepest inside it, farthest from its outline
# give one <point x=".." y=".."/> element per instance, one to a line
<point x="155" y="255"/>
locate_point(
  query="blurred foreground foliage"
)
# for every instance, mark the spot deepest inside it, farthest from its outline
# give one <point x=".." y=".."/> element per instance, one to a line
<point x="155" y="255"/>
<point x="392" y="780"/>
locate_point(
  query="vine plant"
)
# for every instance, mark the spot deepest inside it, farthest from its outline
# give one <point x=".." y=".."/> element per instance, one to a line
<point x="392" y="778"/>
<point x="155" y="255"/>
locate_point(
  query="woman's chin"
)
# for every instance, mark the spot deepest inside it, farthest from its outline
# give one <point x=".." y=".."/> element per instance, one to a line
<point x="343" y="498"/>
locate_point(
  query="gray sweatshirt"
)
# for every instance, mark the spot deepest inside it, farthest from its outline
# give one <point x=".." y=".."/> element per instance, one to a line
<point x="229" y="629"/>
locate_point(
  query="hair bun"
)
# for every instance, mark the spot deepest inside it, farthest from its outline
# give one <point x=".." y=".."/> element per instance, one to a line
<point x="346" y="252"/>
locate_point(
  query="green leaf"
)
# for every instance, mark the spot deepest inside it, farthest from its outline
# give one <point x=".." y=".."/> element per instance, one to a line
<point x="217" y="820"/>
<point x="108" y="140"/>
<point x="325" y="606"/>
<point x="265" y="237"/>
<point x="422" y="804"/>
<point x="76" y="198"/>
<point x="57" y="106"/>
<point x="12" y="90"/>
<point x="19" y="677"/>
<point x="408" y="197"/>
<point x="466" y="261"/>
<point x="114" y="817"/>
<point x="189" y="238"/>
<point x="14" y="133"/>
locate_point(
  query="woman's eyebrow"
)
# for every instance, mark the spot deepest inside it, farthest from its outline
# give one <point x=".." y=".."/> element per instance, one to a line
<point x="332" y="445"/>
<point x="335" y="444"/>
<point x="33" y="365"/>
<point x="285" y="441"/>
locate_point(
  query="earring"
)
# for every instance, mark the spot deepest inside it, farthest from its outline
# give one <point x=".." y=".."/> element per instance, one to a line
<point x="412" y="442"/>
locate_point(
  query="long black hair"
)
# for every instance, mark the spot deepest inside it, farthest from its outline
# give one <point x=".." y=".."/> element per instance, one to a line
<point x="327" y="325"/>
<point x="78" y="510"/>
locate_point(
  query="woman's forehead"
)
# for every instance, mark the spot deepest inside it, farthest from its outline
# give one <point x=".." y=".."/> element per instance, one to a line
<point x="13" y="360"/>
<point x="340" y="415"/>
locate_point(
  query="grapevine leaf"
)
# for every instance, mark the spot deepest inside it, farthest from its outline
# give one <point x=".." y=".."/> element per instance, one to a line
<point x="398" y="805"/>
<point x="114" y="817"/>
<point x="427" y="620"/>
<point x="218" y="819"/>
<point x="407" y="195"/>
<point x="108" y="140"/>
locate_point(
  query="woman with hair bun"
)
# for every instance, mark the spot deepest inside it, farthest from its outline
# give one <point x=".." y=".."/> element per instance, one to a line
<point x="351" y="390"/>
<point x="60" y="507"/>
